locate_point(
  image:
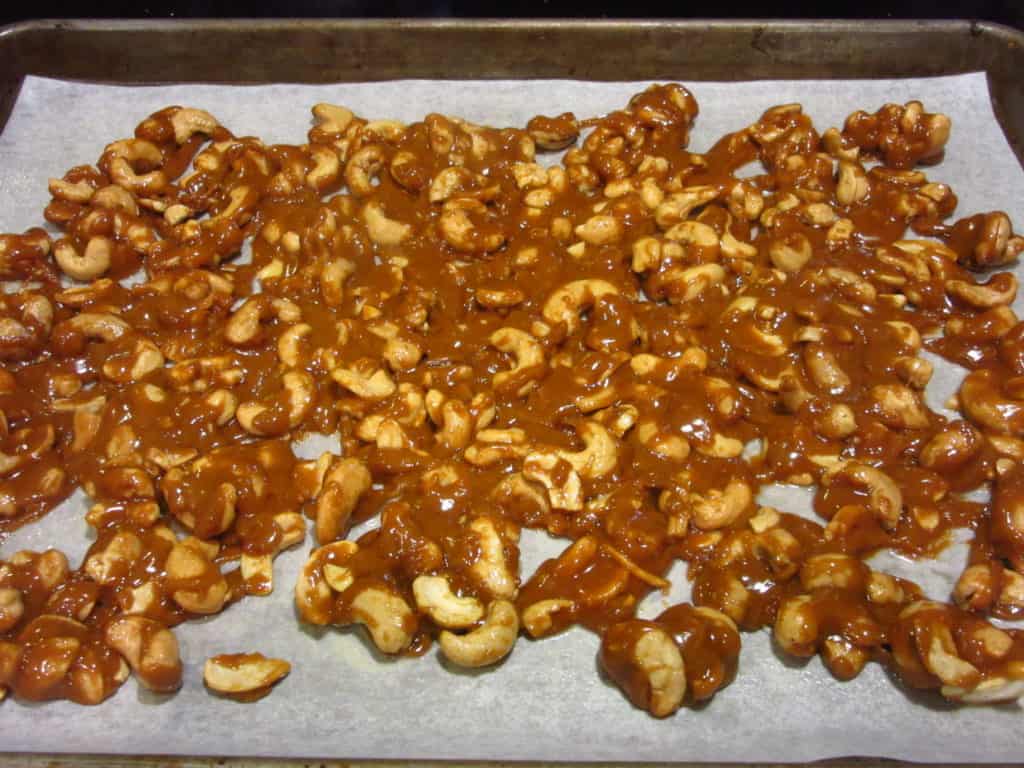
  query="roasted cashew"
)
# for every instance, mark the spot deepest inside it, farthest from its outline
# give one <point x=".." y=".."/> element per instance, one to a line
<point x="125" y="156"/>
<point x="96" y="325"/>
<point x="565" y="489"/>
<point x="343" y="485"/>
<point x="326" y="168"/>
<point x="718" y="508"/>
<point x="885" y="499"/>
<point x="899" y="406"/>
<point x="999" y="291"/>
<point x="150" y="649"/>
<point x="435" y="598"/>
<point x="491" y="570"/>
<point x="294" y="402"/>
<point x="247" y="673"/>
<point x="187" y="564"/>
<point x="386" y="616"/>
<point x="530" y="364"/>
<point x="567" y="303"/>
<point x="601" y="229"/>
<point x="244" y="327"/>
<point x="460" y="231"/>
<point x="487" y="644"/>
<point x="363" y="169"/>
<point x="600" y="454"/>
<point x="382" y="229"/>
<point x="375" y="386"/>
<point x="90" y="264"/>
<point x="12" y="608"/>
<point x="331" y="119"/>
<point x="188" y="121"/>
<point x="323" y="572"/>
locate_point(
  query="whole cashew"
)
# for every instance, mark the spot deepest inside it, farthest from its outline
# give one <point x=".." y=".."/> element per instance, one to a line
<point x="567" y="303"/>
<point x="460" y="231"/>
<point x="530" y="363"/>
<point x="343" y="485"/>
<point x="187" y="122"/>
<point x="295" y="400"/>
<point x="487" y="644"/>
<point x="984" y="403"/>
<point x="244" y="326"/>
<point x="382" y="229"/>
<point x="600" y="454"/>
<point x="718" y="508"/>
<point x="363" y="168"/>
<point x="491" y="569"/>
<point x="85" y="266"/>
<point x="435" y="598"/>
<point x="999" y="291"/>
<point x="123" y="157"/>
<point x="884" y="496"/>
<point x="653" y="659"/>
<point x="386" y="616"/>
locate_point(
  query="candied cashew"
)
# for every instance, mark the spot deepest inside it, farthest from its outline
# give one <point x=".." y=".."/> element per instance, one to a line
<point x="654" y="673"/>
<point x="530" y="363"/>
<point x="885" y="499"/>
<point x="434" y="597"/>
<point x="296" y="400"/>
<point x="567" y="303"/>
<point x="12" y="608"/>
<point x="370" y="386"/>
<point x="386" y="616"/>
<point x="189" y="565"/>
<point x="983" y="401"/>
<point x="565" y="489"/>
<point x="313" y="589"/>
<point x="491" y="569"/>
<point x="487" y="644"/>
<point x="188" y="121"/>
<point x="382" y="229"/>
<point x="88" y="265"/>
<point x="125" y="159"/>
<point x="243" y="673"/>
<point x="600" y="454"/>
<point x="244" y="327"/>
<point x="999" y="291"/>
<point x="718" y="508"/>
<point x="343" y="485"/>
<point x="900" y="406"/>
<point x="463" y="234"/>
<point x="150" y="649"/>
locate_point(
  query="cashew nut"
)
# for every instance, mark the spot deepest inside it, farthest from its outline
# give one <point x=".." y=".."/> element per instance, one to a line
<point x="487" y="644"/>
<point x="435" y="598"/>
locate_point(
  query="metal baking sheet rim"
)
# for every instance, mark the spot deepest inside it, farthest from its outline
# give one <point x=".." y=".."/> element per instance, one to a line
<point x="328" y="50"/>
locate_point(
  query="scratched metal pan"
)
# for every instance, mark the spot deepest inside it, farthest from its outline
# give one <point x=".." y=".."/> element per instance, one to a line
<point x="358" y="50"/>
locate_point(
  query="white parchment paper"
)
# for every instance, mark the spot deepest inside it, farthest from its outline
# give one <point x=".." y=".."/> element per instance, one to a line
<point x="547" y="701"/>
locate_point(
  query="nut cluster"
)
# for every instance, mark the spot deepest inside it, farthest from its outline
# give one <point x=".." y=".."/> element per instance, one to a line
<point x="620" y="349"/>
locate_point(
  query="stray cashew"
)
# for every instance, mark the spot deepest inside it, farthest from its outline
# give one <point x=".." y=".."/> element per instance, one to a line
<point x="243" y="673"/>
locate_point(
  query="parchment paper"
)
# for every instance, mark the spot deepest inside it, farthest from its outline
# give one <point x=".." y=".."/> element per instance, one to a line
<point x="547" y="700"/>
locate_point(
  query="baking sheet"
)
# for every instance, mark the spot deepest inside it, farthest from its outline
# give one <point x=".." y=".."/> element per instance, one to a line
<point x="547" y="701"/>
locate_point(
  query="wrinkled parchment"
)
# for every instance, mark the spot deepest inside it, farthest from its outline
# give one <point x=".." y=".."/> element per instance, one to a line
<point x="547" y="700"/>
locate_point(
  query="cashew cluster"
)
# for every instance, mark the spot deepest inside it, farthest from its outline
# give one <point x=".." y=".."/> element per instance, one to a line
<point x="622" y="348"/>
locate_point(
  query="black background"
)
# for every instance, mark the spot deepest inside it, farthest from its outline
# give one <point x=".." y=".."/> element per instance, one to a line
<point x="1004" y="11"/>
